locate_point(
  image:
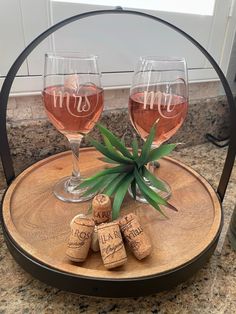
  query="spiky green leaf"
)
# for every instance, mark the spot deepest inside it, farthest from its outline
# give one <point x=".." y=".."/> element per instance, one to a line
<point x="161" y="151"/>
<point x="133" y="188"/>
<point x="100" y="185"/>
<point x="108" y="144"/>
<point x="135" y="148"/>
<point x="88" y="182"/>
<point x="147" y="146"/>
<point x="108" y="160"/>
<point x="151" y="194"/>
<point x="120" y="194"/>
<point x="155" y="182"/>
<point x="148" y="191"/>
<point x="110" y="147"/>
<point x="111" y="188"/>
<point x="123" y="140"/>
<point x="153" y="203"/>
<point x="109" y="171"/>
<point x="114" y="141"/>
<point x="114" y="156"/>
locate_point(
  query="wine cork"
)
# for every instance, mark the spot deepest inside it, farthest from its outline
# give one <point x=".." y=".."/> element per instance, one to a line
<point x="80" y="238"/>
<point x="136" y="238"/>
<point x="101" y="209"/>
<point x="94" y="243"/>
<point x="111" y="245"/>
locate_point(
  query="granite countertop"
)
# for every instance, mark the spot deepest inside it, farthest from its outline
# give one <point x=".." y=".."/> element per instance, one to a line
<point x="211" y="290"/>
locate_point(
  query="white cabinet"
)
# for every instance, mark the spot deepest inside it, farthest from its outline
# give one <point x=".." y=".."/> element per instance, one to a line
<point x="11" y="36"/>
<point x="118" y="40"/>
<point x="36" y="19"/>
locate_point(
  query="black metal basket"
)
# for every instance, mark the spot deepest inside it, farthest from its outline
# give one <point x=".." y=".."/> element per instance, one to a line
<point x="61" y="279"/>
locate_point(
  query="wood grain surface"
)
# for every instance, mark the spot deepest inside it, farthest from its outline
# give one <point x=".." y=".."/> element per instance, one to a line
<point x="39" y="223"/>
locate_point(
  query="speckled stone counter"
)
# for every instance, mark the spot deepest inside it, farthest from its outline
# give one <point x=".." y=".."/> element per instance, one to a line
<point x="211" y="290"/>
<point x="32" y="137"/>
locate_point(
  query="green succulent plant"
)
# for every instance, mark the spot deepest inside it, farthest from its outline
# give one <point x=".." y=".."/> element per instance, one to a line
<point x="129" y="170"/>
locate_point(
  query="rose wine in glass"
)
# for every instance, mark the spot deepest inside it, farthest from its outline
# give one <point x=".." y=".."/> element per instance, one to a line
<point x="73" y="100"/>
<point x="159" y="94"/>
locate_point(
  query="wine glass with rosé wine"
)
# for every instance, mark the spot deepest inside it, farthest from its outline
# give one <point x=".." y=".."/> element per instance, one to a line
<point x="159" y="94"/>
<point x="73" y="99"/>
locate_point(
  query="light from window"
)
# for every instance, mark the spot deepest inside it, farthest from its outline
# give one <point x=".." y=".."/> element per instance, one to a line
<point x="202" y="7"/>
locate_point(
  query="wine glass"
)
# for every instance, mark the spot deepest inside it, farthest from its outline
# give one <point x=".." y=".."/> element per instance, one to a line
<point x="73" y="99"/>
<point x="159" y="94"/>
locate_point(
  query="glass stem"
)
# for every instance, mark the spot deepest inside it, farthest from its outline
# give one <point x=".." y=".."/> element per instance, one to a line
<point x="75" y="177"/>
<point x="152" y="164"/>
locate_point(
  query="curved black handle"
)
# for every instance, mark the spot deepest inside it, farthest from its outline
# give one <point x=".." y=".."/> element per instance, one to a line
<point x="4" y="145"/>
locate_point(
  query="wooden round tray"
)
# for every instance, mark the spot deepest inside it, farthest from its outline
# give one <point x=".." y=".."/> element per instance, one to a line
<point x="36" y="228"/>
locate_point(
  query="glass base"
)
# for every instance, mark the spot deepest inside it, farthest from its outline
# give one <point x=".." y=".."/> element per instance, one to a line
<point x="67" y="193"/>
<point x="164" y="194"/>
